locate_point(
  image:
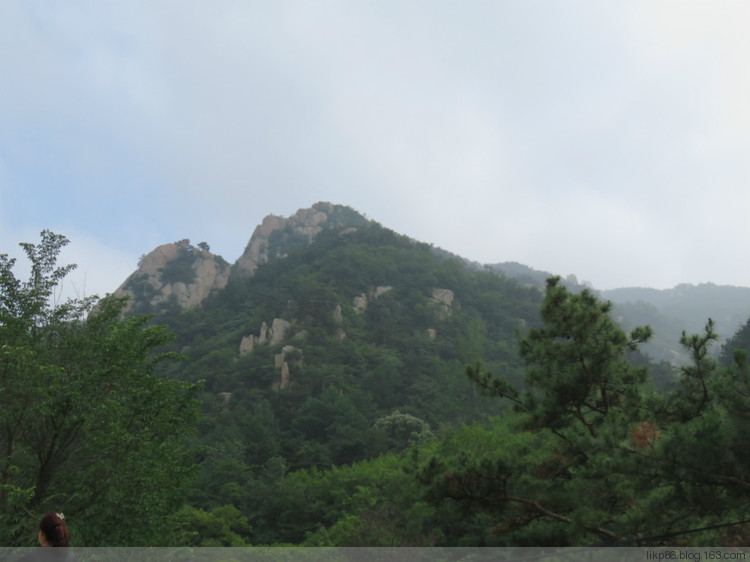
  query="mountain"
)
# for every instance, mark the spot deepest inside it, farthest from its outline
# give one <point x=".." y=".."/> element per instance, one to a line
<point x="692" y="305"/>
<point x="685" y="307"/>
<point x="327" y="323"/>
<point x="276" y="236"/>
<point x="177" y="273"/>
<point x="668" y="311"/>
<point x="182" y="275"/>
<point x="333" y="340"/>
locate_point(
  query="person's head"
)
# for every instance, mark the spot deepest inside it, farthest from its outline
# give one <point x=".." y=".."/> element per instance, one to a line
<point x="52" y="530"/>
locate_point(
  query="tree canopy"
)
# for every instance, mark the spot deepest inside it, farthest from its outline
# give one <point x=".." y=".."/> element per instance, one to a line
<point x="85" y="425"/>
<point x="592" y="454"/>
<point x="378" y="438"/>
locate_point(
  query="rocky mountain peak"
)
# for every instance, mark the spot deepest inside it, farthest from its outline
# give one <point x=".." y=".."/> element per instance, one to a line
<point x="176" y="271"/>
<point x="186" y="275"/>
<point x="276" y="235"/>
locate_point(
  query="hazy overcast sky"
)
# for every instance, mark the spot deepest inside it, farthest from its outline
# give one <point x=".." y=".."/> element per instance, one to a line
<point x="610" y="140"/>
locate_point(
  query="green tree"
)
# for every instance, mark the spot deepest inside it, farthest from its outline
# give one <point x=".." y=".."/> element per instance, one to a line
<point x="739" y="342"/>
<point x="699" y="442"/>
<point x="577" y="368"/>
<point x="591" y="455"/>
<point x="85" y="426"/>
<point x="402" y="430"/>
<point x="577" y="374"/>
<point x="222" y="526"/>
<point x="559" y="477"/>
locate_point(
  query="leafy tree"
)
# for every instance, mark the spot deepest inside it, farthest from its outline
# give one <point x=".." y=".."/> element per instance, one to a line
<point x="369" y="503"/>
<point x="222" y="526"/>
<point x="85" y="426"/>
<point x="402" y="430"/>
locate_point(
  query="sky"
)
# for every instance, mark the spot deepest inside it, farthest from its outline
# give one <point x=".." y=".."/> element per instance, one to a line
<point x="609" y="140"/>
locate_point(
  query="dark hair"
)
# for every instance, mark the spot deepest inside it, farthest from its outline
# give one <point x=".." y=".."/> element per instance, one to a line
<point x="54" y="529"/>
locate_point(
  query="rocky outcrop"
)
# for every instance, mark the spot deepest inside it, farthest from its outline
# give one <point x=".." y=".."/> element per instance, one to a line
<point x="279" y="328"/>
<point x="360" y="303"/>
<point x="256" y="251"/>
<point x="276" y="235"/>
<point x="380" y="290"/>
<point x="280" y="362"/>
<point x="186" y="275"/>
<point x="175" y="272"/>
<point x="338" y="319"/>
<point x="271" y="336"/>
<point x="248" y="344"/>
<point x="443" y="298"/>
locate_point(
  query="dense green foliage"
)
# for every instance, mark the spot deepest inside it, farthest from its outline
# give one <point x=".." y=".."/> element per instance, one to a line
<point x="85" y="426"/>
<point x="592" y="455"/>
<point x="346" y="373"/>
<point x="571" y="461"/>
<point x="361" y="423"/>
<point x="581" y="403"/>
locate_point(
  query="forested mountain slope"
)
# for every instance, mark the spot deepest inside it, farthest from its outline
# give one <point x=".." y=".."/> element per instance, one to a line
<point x="329" y="322"/>
<point x="668" y="311"/>
<point x="356" y="387"/>
<point x="685" y="307"/>
<point x="345" y="347"/>
<point x="185" y="275"/>
<point x="314" y="348"/>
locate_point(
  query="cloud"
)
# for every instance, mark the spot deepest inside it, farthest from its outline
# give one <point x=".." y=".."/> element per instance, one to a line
<point x="598" y="139"/>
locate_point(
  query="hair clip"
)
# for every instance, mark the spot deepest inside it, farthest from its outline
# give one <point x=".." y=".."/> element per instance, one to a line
<point x="61" y="515"/>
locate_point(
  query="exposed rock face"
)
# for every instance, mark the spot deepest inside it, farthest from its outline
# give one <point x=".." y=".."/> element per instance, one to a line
<point x="177" y="271"/>
<point x="338" y="317"/>
<point x="280" y="362"/>
<point x="444" y="298"/>
<point x="275" y="235"/>
<point x="272" y="336"/>
<point x="279" y="328"/>
<point x="256" y="251"/>
<point x="248" y="344"/>
<point x="381" y="289"/>
<point x="360" y="303"/>
<point x="186" y="275"/>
